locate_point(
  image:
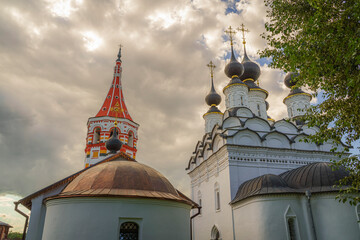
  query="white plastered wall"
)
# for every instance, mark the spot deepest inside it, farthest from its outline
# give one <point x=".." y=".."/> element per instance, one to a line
<point x="100" y="218"/>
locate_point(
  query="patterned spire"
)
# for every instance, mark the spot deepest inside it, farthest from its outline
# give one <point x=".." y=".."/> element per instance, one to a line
<point x="114" y="104"/>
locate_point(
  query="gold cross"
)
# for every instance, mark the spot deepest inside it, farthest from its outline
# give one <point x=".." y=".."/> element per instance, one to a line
<point x="211" y="66"/>
<point x="243" y="32"/>
<point x="115" y="109"/>
<point x="231" y="33"/>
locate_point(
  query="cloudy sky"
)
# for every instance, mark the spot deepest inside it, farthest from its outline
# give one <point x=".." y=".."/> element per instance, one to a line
<point x="56" y="66"/>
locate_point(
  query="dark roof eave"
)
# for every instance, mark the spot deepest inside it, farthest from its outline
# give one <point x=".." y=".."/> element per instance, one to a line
<point x="302" y="191"/>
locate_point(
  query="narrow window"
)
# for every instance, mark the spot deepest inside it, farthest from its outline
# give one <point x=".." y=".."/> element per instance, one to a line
<point x="258" y="107"/>
<point x="291" y="225"/>
<point x="131" y="139"/>
<point x="217" y="200"/>
<point x="291" y="113"/>
<point x="217" y="197"/>
<point x="292" y="229"/>
<point x="199" y="199"/>
<point x="96" y="136"/>
<point x="242" y="103"/>
<point x="129" y="231"/>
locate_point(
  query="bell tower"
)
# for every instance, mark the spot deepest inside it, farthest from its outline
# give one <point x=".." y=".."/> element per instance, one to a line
<point x="112" y="114"/>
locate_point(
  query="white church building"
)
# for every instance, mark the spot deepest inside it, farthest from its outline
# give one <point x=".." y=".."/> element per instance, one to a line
<point x="255" y="178"/>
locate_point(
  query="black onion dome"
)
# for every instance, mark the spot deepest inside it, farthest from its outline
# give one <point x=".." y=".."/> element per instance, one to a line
<point x="113" y="144"/>
<point x="316" y="177"/>
<point x="251" y="70"/>
<point x="289" y="79"/>
<point x="233" y="67"/>
<point x="265" y="184"/>
<point x="213" y="98"/>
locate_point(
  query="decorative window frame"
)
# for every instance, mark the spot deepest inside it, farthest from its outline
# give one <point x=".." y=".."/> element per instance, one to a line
<point x="138" y="221"/>
<point x="289" y="213"/>
<point x="214" y="230"/>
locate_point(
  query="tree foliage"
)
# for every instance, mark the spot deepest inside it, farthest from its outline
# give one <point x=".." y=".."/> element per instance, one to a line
<point x="15" y="236"/>
<point x="320" y="39"/>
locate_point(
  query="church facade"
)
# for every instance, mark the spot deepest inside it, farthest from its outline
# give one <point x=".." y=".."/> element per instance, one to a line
<point x="257" y="178"/>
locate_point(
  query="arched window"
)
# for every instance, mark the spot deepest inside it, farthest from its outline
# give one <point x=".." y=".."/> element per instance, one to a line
<point x="217" y="196"/>
<point x="129" y="231"/>
<point x="258" y="108"/>
<point x="96" y="138"/>
<point x="131" y="139"/>
<point x="215" y="234"/>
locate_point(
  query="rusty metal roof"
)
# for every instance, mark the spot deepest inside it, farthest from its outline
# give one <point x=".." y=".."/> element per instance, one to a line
<point x="122" y="178"/>
<point x="178" y="196"/>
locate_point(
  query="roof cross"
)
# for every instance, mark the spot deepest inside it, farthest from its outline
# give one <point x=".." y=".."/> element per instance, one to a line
<point x="211" y="66"/>
<point x="244" y="30"/>
<point x="231" y="33"/>
<point x="116" y="109"/>
<point x="119" y="54"/>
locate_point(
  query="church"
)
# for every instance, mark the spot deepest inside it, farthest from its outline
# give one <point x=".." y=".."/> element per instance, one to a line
<point x="114" y="196"/>
<point x="256" y="178"/>
<point x="251" y="177"/>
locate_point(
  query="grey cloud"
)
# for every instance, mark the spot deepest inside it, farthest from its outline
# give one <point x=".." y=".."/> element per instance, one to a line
<point x="50" y="84"/>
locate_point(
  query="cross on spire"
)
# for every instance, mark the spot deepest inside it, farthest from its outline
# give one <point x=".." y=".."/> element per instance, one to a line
<point x="231" y="33"/>
<point x="243" y="32"/>
<point x="119" y="54"/>
<point x="211" y="66"/>
<point x="116" y="109"/>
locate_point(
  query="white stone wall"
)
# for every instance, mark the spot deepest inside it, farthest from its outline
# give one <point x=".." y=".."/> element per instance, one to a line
<point x="38" y="213"/>
<point x="236" y="96"/>
<point x="257" y="103"/>
<point x="264" y="217"/>
<point x="100" y="218"/>
<point x="211" y="120"/>
<point x="297" y="104"/>
<point x="204" y="178"/>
